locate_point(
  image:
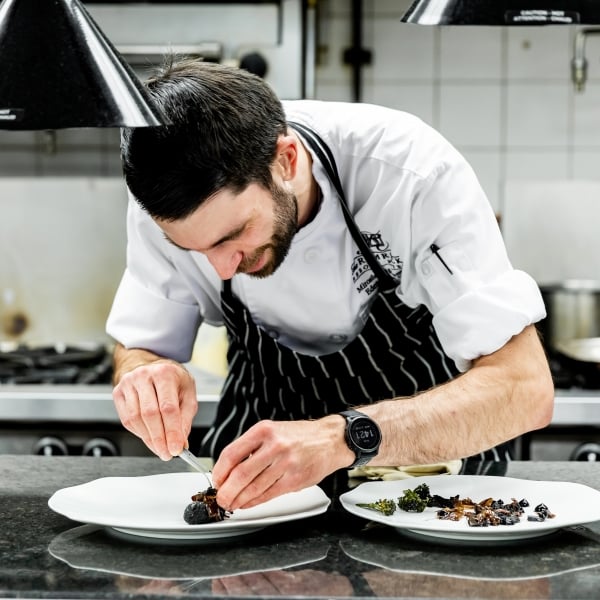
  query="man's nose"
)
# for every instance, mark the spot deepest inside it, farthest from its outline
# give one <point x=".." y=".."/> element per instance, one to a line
<point x="224" y="262"/>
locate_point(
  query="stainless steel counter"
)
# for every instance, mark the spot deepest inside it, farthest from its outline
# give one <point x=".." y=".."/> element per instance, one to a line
<point x="76" y="403"/>
<point x="576" y="408"/>
<point x="93" y="403"/>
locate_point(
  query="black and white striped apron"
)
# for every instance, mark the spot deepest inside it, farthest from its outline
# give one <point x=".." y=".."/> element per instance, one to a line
<point x="397" y="353"/>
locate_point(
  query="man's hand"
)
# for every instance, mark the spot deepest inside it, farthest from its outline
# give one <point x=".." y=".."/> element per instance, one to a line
<point x="276" y="457"/>
<point x="155" y="399"/>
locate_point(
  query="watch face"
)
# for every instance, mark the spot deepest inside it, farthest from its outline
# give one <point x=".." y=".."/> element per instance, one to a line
<point x="365" y="434"/>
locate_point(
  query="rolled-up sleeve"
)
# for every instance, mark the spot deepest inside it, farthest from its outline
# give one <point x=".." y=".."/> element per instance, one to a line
<point x="484" y="318"/>
<point x="153" y="308"/>
<point x="140" y="318"/>
<point x="459" y="267"/>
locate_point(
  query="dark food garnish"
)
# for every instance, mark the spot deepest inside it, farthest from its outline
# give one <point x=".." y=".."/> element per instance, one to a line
<point x="412" y="501"/>
<point x="204" y="508"/>
<point x="481" y="514"/>
<point x="541" y="513"/>
<point x="488" y="512"/>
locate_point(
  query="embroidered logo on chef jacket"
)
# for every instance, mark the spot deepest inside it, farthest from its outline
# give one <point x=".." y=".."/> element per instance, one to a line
<point x="362" y="274"/>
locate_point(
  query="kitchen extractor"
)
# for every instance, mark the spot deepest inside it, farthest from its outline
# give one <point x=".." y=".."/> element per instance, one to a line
<point x="503" y="12"/>
<point x="271" y="38"/>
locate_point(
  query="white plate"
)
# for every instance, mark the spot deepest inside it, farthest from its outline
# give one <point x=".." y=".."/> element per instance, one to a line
<point x="572" y="503"/>
<point x="152" y="506"/>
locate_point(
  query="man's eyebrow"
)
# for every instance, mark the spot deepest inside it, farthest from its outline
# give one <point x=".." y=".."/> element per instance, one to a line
<point x="174" y="243"/>
<point x="230" y="236"/>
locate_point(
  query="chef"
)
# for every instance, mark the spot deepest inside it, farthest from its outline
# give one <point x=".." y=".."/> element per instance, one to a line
<point x="372" y="313"/>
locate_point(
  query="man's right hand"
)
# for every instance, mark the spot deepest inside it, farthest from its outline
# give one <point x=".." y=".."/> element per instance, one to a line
<point x="155" y="399"/>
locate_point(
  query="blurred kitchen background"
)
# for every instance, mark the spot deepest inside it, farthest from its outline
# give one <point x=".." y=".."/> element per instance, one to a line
<point x="505" y="96"/>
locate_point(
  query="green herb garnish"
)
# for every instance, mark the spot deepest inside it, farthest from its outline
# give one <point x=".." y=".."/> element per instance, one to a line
<point x="384" y="506"/>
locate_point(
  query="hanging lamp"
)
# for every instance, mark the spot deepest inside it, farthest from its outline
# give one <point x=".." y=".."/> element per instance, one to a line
<point x="503" y="12"/>
<point x="58" y="70"/>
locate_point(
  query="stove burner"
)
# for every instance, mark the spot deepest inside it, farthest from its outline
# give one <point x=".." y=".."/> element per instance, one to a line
<point x="572" y="374"/>
<point x="52" y="364"/>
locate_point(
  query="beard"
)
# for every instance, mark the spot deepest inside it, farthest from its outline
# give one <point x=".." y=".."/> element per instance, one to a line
<point x="285" y="226"/>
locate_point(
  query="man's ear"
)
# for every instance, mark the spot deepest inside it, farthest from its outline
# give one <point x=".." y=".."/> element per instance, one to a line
<point x="287" y="156"/>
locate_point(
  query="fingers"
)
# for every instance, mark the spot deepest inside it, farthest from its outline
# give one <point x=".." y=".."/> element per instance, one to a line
<point x="250" y="483"/>
<point x="270" y="459"/>
<point x="157" y="402"/>
<point x="234" y="454"/>
<point x="167" y="425"/>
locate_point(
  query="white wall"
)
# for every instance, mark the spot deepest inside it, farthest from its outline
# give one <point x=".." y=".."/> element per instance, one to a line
<point x="502" y="95"/>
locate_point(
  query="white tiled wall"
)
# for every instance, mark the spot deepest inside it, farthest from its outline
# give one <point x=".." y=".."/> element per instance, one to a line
<point x="503" y="96"/>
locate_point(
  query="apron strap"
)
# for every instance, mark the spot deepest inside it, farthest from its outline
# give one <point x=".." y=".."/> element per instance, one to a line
<point x="325" y="156"/>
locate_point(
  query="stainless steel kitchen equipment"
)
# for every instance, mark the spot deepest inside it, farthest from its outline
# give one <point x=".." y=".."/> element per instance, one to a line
<point x="573" y="311"/>
<point x="579" y="62"/>
<point x="56" y="400"/>
<point x="274" y="37"/>
<point x="62" y="239"/>
<point x="585" y="350"/>
<point x="550" y="230"/>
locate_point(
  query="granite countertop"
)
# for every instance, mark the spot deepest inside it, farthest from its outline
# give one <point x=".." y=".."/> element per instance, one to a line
<point x="333" y="555"/>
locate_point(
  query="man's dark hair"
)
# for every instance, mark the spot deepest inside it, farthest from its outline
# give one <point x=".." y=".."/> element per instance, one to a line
<point x="223" y="131"/>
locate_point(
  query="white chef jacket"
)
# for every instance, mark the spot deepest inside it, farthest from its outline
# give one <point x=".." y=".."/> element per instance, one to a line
<point x="407" y="188"/>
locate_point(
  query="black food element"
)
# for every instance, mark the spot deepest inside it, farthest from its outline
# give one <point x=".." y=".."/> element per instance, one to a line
<point x="541" y="513"/>
<point x="204" y="508"/>
<point x="196" y="513"/>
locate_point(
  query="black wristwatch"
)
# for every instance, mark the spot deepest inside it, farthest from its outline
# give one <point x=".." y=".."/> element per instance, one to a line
<point x="362" y="435"/>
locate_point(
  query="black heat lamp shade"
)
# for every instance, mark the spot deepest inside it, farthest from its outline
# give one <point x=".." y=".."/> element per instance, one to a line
<point x="58" y="70"/>
<point x="503" y="12"/>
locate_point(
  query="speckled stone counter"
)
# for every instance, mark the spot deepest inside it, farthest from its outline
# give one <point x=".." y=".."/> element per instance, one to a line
<point x="334" y="555"/>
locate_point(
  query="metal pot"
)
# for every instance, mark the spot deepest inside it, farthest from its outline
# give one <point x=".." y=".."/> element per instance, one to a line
<point x="573" y="312"/>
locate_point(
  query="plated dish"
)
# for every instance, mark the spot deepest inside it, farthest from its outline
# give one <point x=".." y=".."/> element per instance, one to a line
<point x="152" y="507"/>
<point x="572" y="504"/>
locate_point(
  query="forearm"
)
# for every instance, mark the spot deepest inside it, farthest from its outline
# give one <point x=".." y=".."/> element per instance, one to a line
<point x="503" y="396"/>
<point x="127" y="359"/>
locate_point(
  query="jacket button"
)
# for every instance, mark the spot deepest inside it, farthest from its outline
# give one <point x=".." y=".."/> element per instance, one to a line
<point x="338" y="337"/>
<point x="311" y="255"/>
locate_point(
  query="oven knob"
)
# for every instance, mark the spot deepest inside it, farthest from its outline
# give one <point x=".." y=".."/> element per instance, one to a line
<point x="588" y="452"/>
<point x="99" y="447"/>
<point x="50" y="446"/>
<point x="254" y="63"/>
